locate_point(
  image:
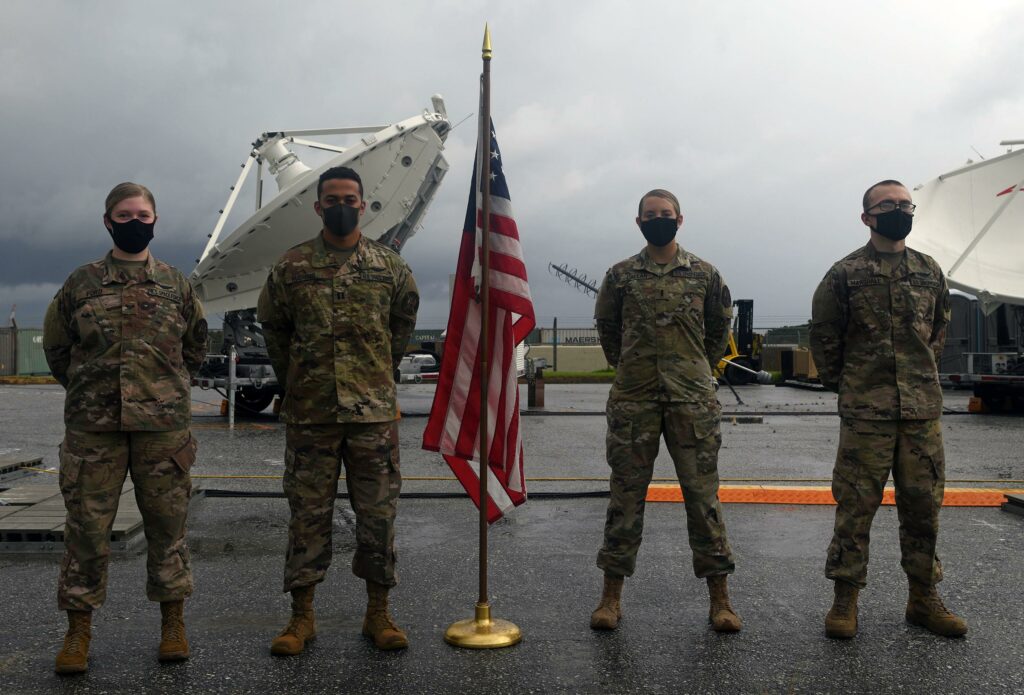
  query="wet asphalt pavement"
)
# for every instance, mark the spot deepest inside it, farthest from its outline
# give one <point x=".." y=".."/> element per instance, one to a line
<point x="543" y="576"/>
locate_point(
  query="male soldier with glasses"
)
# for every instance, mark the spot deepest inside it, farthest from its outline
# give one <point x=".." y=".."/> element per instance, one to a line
<point x="878" y="325"/>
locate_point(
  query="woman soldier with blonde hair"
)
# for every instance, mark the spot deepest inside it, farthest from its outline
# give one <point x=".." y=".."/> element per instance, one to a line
<point x="123" y="336"/>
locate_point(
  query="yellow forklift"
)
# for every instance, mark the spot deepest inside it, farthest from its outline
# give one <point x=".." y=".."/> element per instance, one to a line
<point x="741" y="363"/>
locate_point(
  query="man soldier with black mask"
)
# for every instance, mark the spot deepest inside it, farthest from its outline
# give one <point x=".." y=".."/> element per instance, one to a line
<point x="663" y="317"/>
<point x="878" y="325"/>
<point x="337" y="312"/>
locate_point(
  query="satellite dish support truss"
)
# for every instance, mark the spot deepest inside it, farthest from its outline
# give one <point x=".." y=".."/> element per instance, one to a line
<point x="269" y="144"/>
<point x="984" y="230"/>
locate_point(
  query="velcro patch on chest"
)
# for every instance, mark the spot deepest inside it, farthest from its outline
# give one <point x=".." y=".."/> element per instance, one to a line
<point x="300" y="277"/>
<point x="171" y="295"/>
<point x="687" y="273"/>
<point x="923" y="281"/>
<point x="865" y="282"/>
<point x="374" y="276"/>
<point x="93" y="294"/>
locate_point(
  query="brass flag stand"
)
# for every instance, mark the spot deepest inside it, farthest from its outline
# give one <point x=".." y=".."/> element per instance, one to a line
<point x="482" y="631"/>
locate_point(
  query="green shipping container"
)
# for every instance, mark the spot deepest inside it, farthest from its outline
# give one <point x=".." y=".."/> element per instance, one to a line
<point x="8" y="352"/>
<point x="31" y="358"/>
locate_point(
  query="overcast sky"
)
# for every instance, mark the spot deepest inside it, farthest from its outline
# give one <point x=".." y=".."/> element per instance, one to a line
<point x="768" y="120"/>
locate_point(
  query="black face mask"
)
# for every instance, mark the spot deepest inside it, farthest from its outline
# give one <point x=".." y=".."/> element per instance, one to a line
<point x="132" y="236"/>
<point x="894" y="224"/>
<point x="659" y="231"/>
<point x="341" y="219"/>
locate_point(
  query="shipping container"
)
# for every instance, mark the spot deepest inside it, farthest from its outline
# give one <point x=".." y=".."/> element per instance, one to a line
<point x="8" y="352"/>
<point x="570" y="336"/>
<point x="31" y="358"/>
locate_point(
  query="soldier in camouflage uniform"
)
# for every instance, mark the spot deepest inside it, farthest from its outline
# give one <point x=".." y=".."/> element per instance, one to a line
<point x="337" y="312"/>
<point x="663" y="318"/>
<point x="877" y="331"/>
<point x="123" y="336"/>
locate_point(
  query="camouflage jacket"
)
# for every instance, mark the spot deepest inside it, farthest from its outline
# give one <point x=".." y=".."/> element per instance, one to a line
<point x="337" y="333"/>
<point x="125" y="347"/>
<point x="663" y="327"/>
<point x="877" y="335"/>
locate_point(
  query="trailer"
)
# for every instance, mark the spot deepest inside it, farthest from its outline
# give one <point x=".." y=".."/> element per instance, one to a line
<point x="996" y="379"/>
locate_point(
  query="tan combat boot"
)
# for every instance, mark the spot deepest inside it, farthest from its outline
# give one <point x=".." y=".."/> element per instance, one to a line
<point x="173" y="644"/>
<point x="925" y="608"/>
<point x="73" y="657"/>
<point x="609" y="610"/>
<point x="722" y="617"/>
<point x="301" y="628"/>
<point x="841" y="621"/>
<point x="378" y="623"/>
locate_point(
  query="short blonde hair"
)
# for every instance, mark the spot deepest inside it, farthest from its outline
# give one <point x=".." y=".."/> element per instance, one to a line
<point x="123" y="191"/>
<point x="658" y="193"/>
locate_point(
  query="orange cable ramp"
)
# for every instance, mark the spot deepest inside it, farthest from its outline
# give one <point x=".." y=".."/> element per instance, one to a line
<point x="822" y="495"/>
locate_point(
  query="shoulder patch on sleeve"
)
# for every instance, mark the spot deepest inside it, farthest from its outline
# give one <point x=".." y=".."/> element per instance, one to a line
<point x="202" y="331"/>
<point x="410" y="303"/>
<point x="726" y="297"/>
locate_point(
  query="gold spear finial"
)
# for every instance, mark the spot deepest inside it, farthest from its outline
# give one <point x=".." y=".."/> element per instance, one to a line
<point x="487" y="42"/>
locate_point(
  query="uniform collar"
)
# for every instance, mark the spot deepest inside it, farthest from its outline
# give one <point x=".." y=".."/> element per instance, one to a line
<point x="912" y="261"/>
<point x="111" y="274"/>
<point x="643" y="261"/>
<point x="323" y="258"/>
<point x="915" y="263"/>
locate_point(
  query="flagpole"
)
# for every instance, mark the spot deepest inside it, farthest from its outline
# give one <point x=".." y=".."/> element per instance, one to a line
<point x="485" y="301"/>
<point x="482" y="631"/>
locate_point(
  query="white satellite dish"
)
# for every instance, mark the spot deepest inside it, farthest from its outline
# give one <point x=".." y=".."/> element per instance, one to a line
<point x="971" y="220"/>
<point x="401" y="167"/>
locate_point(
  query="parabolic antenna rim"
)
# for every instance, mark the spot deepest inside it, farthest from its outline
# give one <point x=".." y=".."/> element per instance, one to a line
<point x="402" y="163"/>
<point x="974" y="232"/>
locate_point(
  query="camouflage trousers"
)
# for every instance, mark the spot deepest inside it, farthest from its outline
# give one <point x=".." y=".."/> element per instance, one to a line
<point x="313" y="458"/>
<point x="693" y="438"/>
<point x="93" y="467"/>
<point x="868" y="450"/>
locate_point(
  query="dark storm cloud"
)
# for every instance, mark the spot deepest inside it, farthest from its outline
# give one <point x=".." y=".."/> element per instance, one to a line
<point x="768" y="121"/>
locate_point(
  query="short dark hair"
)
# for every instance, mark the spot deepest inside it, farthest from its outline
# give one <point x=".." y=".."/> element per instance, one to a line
<point x="867" y="193"/>
<point x="658" y="193"/>
<point x="338" y="173"/>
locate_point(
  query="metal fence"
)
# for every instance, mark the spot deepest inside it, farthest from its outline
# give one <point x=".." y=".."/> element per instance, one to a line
<point x="787" y="336"/>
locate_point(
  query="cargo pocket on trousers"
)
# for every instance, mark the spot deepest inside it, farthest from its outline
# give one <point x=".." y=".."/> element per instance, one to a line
<point x="70" y="470"/>
<point x="937" y="465"/>
<point x="393" y="456"/>
<point x="620" y="443"/>
<point x="708" y="437"/>
<point x="186" y="455"/>
<point x="706" y="425"/>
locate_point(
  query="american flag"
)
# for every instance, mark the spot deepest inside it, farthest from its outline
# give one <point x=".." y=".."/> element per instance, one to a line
<point x="454" y="424"/>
